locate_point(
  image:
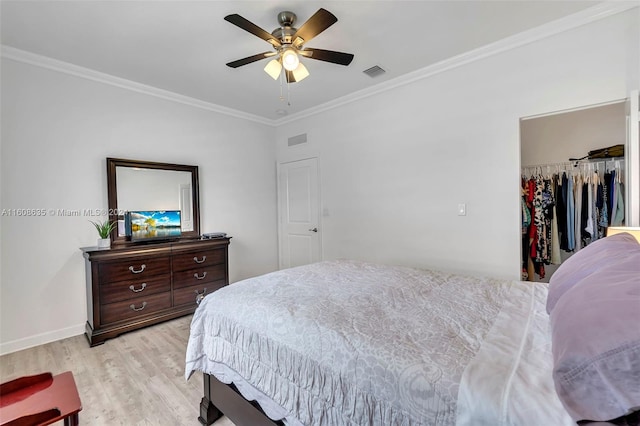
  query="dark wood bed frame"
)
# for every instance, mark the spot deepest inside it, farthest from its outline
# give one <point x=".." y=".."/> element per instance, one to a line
<point x="220" y="398"/>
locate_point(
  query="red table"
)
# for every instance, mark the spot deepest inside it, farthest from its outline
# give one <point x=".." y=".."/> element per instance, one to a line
<point x="40" y="400"/>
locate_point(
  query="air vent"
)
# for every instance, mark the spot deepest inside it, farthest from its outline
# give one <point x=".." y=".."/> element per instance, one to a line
<point x="374" y="71"/>
<point x="297" y="140"/>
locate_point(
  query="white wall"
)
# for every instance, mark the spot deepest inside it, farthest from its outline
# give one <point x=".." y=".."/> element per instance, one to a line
<point x="57" y="130"/>
<point x="571" y="134"/>
<point x="394" y="166"/>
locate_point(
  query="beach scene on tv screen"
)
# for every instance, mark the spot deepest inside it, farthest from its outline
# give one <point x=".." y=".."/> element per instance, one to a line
<point x="155" y="224"/>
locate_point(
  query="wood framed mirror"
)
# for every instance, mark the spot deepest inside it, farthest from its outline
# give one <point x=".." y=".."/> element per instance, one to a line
<point x="134" y="185"/>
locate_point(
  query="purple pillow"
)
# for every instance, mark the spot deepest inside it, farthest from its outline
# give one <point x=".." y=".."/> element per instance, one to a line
<point x="601" y="253"/>
<point x="595" y="330"/>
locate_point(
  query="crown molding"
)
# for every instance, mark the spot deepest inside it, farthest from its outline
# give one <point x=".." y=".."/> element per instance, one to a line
<point x="594" y="13"/>
<point x="89" y="74"/>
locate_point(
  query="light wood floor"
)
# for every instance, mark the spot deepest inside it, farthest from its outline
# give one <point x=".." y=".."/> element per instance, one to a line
<point x="134" y="379"/>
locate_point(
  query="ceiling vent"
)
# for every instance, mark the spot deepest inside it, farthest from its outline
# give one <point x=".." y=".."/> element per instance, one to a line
<point x="297" y="140"/>
<point x="374" y="71"/>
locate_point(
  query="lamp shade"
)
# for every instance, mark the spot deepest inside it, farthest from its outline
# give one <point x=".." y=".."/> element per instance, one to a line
<point x="273" y="68"/>
<point x="300" y="72"/>
<point x="635" y="231"/>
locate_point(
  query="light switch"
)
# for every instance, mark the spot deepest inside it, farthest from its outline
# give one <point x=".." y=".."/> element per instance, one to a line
<point x="462" y="209"/>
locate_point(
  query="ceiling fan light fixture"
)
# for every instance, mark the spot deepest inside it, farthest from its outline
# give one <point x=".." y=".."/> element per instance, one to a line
<point x="300" y="72"/>
<point x="290" y="59"/>
<point x="273" y="68"/>
<point x="288" y="42"/>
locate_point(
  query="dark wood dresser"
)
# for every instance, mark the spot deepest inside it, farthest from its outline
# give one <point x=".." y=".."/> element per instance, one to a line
<point x="130" y="287"/>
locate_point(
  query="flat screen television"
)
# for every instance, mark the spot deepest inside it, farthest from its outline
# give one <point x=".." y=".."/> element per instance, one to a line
<point x="146" y="225"/>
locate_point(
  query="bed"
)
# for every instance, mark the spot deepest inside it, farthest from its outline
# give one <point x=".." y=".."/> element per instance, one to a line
<point x="352" y="343"/>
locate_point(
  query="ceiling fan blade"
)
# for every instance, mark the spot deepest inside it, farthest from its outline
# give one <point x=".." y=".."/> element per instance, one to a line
<point x="320" y="21"/>
<point x="327" y="56"/>
<point x="249" y="26"/>
<point x="250" y="59"/>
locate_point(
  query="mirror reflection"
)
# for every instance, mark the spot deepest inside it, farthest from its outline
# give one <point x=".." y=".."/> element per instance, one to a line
<point x="154" y="189"/>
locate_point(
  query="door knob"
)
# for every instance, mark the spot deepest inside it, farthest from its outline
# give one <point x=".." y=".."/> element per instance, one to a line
<point x="314" y="230"/>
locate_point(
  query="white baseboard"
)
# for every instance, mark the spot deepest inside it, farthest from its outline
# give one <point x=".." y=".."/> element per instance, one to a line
<point x="40" y="339"/>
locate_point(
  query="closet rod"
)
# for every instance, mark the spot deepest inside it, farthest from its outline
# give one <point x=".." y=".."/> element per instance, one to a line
<point x="549" y="167"/>
<point x="564" y="163"/>
<point x="568" y="165"/>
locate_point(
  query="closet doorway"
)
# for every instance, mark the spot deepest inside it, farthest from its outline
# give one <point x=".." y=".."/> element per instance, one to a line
<point x="547" y="143"/>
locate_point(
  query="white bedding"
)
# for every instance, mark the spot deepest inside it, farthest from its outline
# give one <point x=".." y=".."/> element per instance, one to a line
<point x="346" y="343"/>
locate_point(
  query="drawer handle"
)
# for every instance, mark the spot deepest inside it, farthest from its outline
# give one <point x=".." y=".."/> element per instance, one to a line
<point x="195" y="259"/>
<point x="133" y="307"/>
<point x="200" y="296"/>
<point x="135" y="290"/>
<point x="137" y="271"/>
<point x="198" y="277"/>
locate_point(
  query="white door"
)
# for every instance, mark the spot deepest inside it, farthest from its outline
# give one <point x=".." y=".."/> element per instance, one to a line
<point x="633" y="160"/>
<point x="298" y="212"/>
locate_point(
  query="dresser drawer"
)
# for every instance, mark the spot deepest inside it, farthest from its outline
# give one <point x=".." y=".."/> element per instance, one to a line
<point x="135" y="268"/>
<point x="198" y="259"/>
<point x="123" y="296"/>
<point x="189" y="295"/>
<point x="135" y="307"/>
<point x="129" y="289"/>
<point x="199" y="276"/>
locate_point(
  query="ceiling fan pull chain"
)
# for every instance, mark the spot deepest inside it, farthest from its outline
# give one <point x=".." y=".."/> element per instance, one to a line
<point x="281" y="83"/>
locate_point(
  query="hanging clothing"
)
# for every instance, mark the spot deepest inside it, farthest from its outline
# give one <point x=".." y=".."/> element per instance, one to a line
<point x="561" y="209"/>
<point x="589" y="227"/>
<point x="603" y="218"/>
<point x="544" y="228"/>
<point x="595" y="213"/>
<point x="577" y="214"/>
<point x="526" y="215"/>
<point x="533" y="229"/>
<point x="528" y="234"/>
<point x="567" y="211"/>
<point x="618" y="216"/>
<point x="586" y="209"/>
<point x="610" y="178"/>
<point x="538" y="219"/>
<point x="556" y="259"/>
<point x="571" y="240"/>
<point x="538" y="200"/>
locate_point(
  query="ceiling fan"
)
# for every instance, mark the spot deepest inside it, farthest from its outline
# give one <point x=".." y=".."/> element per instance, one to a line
<point x="288" y="44"/>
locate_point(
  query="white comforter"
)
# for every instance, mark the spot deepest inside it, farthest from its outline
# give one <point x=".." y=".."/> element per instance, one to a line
<point x="349" y="343"/>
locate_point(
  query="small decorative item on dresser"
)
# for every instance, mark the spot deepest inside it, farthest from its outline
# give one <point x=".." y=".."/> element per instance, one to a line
<point x="213" y="235"/>
<point x="104" y="230"/>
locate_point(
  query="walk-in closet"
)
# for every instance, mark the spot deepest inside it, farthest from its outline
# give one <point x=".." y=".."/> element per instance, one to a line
<point x="569" y="198"/>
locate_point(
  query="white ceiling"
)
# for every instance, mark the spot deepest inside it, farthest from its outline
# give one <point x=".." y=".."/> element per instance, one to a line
<point x="183" y="46"/>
